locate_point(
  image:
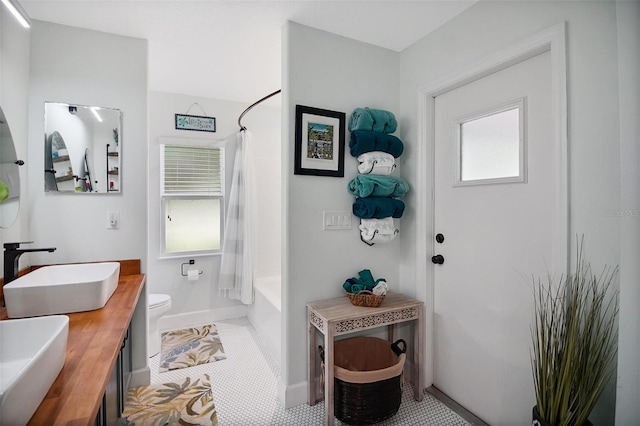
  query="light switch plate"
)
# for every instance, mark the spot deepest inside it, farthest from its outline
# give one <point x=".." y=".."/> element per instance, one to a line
<point x="113" y="219"/>
<point x="332" y="221"/>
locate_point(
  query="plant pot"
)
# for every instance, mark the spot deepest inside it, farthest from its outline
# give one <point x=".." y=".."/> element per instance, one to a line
<point x="537" y="421"/>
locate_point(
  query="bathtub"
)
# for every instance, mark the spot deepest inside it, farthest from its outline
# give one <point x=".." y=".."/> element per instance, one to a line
<point x="265" y="313"/>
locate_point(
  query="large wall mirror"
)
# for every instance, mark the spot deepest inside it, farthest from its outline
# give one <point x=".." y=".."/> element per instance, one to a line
<point x="82" y="148"/>
<point x="9" y="176"/>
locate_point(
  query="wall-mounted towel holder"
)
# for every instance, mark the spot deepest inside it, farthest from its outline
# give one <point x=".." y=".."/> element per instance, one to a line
<point x="375" y="232"/>
<point x="367" y="242"/>
<point x="191" y="262"/>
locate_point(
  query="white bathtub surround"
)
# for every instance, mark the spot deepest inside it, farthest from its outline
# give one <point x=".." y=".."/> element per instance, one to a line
<point x="236" y="265"/>
<point x="265" y="314"/>
<point x="190" y="319"/>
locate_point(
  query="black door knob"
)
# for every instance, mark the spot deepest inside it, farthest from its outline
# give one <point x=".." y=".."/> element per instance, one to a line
<point x="439" y="238"/>
<point x="437" y="259"/>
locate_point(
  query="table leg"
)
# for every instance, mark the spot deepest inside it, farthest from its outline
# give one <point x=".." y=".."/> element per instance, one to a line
<point x="392" y="332"/>
<point x="311" y="374"/>
<point x="418" y="342"/>
<point x="328" y="376"/>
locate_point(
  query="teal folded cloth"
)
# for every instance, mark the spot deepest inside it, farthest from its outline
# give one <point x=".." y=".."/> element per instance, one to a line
<point x="378" y="208"/>
<point x="378" y="186"/>
<point x="375" y="120"/>
<point x="365" y="281"/>
<point x="362" y="141"/>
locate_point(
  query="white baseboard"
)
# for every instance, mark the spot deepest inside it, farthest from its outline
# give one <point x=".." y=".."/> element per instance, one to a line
<point x="239" y="311"/>
<point x="140" y="377"/>
<point x="292" y="396"/>
<point x="189" y="319"/>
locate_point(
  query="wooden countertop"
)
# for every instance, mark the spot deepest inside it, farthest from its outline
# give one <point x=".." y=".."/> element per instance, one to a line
<point x="93" y="345"/>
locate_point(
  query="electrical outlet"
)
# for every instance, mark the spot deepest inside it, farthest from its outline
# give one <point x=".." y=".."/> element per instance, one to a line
<point x="336" y="220"/>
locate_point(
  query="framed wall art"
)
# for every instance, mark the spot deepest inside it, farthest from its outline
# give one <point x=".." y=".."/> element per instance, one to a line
<point x="319" y="144"/>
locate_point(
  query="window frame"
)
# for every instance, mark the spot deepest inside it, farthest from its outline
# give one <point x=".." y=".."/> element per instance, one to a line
<point x="191" y="143"/>
<point x="519" y="103"/>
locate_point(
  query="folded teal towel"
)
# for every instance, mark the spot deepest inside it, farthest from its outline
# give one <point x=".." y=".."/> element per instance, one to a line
<point x="378" y="186"/>
<point x="378" y="208"/>
<point x="365" y="141"/>
<point x="375" y="120"/>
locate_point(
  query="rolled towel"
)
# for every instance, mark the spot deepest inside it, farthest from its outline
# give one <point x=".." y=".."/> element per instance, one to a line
<point x="378" y="230"/>
<point x="380" y="289"/>
<point x="375" y="120"/>
<point x="378" y="208"/>
<point x="381" y="238"/>
<point x="365" y="281"/>
<point x="378" y="186"/>
<point x="376" y="163"/>
<point x="365" y="141"/>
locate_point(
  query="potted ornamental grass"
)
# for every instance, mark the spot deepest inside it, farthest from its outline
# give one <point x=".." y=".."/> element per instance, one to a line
<point x="574" y="336"/>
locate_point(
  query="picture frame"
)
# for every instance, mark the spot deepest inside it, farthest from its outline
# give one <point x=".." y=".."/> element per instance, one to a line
<point x="319" y="143"/>
<point x="198" y="123"/>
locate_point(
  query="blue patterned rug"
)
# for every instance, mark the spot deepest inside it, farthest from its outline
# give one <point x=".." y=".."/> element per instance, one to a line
<point x="190" y="346"/>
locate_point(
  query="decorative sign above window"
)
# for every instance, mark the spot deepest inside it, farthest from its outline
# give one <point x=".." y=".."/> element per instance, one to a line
<point x="195" y="122"/>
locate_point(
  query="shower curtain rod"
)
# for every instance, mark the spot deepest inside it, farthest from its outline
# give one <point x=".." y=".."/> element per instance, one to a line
<point x="252" y="105"/>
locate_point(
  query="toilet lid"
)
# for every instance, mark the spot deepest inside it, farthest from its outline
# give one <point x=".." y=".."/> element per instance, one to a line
<point x="158" y="299"/>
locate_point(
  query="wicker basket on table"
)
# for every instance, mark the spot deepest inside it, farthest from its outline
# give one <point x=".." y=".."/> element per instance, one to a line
<point x="365" y="298"/>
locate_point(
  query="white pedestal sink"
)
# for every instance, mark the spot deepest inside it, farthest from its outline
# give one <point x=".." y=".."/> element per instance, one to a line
<point x="32" y="353"/>
<point x="62" y="289"/>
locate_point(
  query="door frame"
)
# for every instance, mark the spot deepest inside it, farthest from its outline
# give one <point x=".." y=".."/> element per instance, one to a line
<point x="552" y="40"/>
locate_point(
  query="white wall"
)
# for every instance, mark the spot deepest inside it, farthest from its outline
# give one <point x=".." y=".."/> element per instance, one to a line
<point x="627" y="407"/>
<point x="263" y="122"/>
<point x="14" y="98"/>
<point x="594" y="149"/>
<point x="79" y="66"/>
<point x="323" y="70"/>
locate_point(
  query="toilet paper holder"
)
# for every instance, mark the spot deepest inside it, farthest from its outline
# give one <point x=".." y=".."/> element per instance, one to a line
<point x="191" y="262"/>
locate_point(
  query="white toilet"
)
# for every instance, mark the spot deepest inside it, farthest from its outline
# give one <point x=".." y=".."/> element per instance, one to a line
<point x="159" y="304"/>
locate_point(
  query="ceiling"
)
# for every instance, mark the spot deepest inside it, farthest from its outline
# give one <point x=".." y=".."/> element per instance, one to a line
<point x="230" y="49"/>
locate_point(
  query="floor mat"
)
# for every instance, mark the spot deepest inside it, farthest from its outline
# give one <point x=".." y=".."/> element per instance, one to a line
<point x="189" y="347"/>
<point x="186" y="403"/>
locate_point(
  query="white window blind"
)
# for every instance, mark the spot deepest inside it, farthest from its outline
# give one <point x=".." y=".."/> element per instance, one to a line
<point x="189" y="170"/>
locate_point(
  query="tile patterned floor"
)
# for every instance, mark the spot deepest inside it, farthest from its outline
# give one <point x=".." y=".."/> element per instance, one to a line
<point x="245" y="388"/>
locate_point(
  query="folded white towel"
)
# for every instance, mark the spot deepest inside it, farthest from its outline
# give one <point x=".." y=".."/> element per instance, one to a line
<point x="381" y="288"/>
<point x="376" y="163"/>
<point x="378" y="230"/>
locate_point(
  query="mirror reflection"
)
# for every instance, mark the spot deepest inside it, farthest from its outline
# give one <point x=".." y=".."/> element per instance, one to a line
<point x="82" y="148"/>
<point x="9" y="176"/>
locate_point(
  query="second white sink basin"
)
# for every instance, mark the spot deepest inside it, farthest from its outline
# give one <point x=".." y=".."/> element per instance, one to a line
<point x="32" y="353"/>
<point x="62" y="289"/>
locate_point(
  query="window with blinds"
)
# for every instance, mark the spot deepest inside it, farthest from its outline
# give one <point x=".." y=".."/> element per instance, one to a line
<point x="192" y="192"/>
<point x="190" y="170"/>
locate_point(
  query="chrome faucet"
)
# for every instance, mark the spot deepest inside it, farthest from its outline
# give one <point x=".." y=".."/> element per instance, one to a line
<point x="12" y="253"/>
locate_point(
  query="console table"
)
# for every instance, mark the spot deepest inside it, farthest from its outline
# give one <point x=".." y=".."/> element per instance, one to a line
<point x="337" y="317"/>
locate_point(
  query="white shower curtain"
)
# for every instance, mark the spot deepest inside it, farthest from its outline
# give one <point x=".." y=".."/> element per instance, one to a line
<point x="236" y="267"/>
